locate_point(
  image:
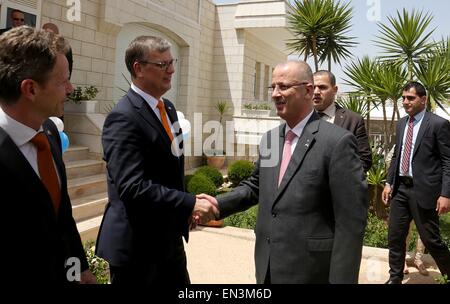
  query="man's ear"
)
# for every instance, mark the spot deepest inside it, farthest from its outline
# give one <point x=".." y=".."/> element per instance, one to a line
<point x="28" y="88"/>
<point x="137" y="67"/>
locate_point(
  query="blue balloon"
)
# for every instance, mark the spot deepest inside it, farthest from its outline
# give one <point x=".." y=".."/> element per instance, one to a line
<point x="64" y="141"/>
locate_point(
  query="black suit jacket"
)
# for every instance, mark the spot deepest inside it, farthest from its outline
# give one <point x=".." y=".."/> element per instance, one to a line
<point x="148" y="210"/>
<point x="354" y="122"/>
<point x="310" y="229"/>
<point x="430" y="162"/>
<point x="36" y="241"/>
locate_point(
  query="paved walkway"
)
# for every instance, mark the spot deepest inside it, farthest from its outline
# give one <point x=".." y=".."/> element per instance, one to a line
<point x="225" y="256"/>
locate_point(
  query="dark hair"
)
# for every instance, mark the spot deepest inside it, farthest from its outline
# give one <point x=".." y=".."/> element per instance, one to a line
<point x="330" y="75"/>
<point x="16" y="11"/>
<point x="420" y="89"/>
<point x="141" y="47"/>
<point x="26" y="53"/>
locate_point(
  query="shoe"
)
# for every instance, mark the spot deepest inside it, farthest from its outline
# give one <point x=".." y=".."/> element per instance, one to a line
<point x="421" y="267"/>
<point x="406" y="269"/>
<point x="393" y="281"/>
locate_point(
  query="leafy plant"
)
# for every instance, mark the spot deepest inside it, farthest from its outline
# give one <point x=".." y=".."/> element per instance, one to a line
<point x="240" y="170"/>
<point x="354" y="102"/>
<point x="245" y="219"/>
<point x="82" y="93"/>
<point x="376" y="234"/>
<point x="98" y="266"/>
<point x="257" y="106"/>
<point x="212" y="173"/>
<point x="201" y="184"/>
<point x="442" y="279"/>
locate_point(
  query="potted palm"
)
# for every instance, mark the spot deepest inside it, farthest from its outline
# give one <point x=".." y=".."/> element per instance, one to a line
<point x="216" y="157"/>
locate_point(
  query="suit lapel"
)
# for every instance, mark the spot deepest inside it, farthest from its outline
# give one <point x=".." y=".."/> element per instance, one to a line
<point x="340" y="116"/>
<point x="57" y="155"/>
<point x="423" y="127"/>
<point x="148" y="115"/>
<point x="20" y="169"/>
<point x="304" y="144"/>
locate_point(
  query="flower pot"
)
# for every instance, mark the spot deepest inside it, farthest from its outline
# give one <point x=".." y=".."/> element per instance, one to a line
<point x="213" y="223"/>
<point x="216" y="161"/>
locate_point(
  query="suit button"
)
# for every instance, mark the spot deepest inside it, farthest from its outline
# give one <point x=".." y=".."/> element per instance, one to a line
<point x="268" y="240"/>
<point x="274" y="215"/>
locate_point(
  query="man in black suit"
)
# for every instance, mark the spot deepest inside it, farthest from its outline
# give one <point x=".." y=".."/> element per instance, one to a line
<point x="42" y="242"/>
<point x="148" y="211"/>
<point x="325" y="90"/>
<point x="311" y="191"/>
<point x="17" y="18"/>
<point x="418" y="182"/>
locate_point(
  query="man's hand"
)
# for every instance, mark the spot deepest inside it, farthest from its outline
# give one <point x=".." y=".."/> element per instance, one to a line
<point x="386" y="195"/>
<point x="87" y="277"/>
<point x="204" y="210"/>
<point x="443" y="205"/>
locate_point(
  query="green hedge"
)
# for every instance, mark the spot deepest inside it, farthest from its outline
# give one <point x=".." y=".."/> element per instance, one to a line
<point x="212" y="173"/>
<point x="98" y="266"/>
<point x="245" y="219"/>
<point x="376" y="234"/>
<point x="199" y="183"/>
<point x="239" y="171"/>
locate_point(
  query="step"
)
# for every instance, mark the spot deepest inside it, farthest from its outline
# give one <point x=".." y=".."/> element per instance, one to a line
<point x="85" y="167"/>
<point x="85" y="186"/>
<point x="88" y="229"/>
<point x="89" y="206"/>
<point x="76" y="153"/>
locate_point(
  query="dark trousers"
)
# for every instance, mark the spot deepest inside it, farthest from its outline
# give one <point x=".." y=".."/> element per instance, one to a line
<point x="404" y="208"/>
<point x="147" y="271"/>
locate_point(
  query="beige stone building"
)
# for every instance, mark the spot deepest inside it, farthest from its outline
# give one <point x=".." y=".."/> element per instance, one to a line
<point x="225" y="53"/>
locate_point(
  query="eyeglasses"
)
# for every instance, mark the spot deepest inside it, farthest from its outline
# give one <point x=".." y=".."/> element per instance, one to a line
<point x="285" y="87"/>
<point x="18" y="19"/>
<point x="163" y="65"/>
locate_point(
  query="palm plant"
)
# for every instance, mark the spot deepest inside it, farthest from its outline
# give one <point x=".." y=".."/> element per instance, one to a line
<point x="405" y="41"/>
<point x="320" y="27"/>
<point x="354" y="102"/>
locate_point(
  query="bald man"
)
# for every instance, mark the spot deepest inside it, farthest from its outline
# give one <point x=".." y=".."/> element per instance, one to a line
<point x="312" y="198"/>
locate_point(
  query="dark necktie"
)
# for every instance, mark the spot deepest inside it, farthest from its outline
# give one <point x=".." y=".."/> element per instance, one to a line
<point x="407" y="147"/>
<point x="46" y="168"/>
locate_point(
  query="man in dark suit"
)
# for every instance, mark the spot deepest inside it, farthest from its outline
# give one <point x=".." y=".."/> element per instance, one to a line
<point x="17" y="18"/>
<point x="325" y="90"/>
<point x="148" y="211"/>
<point x="311" y="190"/>
<point x="42" y="242"/>
<point x="418" y="182"/>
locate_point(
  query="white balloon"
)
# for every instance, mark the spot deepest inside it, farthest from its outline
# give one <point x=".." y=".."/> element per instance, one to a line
<point x="180" y="115"/>
<point x="58" y="122"/>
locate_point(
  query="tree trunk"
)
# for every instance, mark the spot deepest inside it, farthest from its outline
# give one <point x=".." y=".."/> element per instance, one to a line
<point x="316" y="61"/>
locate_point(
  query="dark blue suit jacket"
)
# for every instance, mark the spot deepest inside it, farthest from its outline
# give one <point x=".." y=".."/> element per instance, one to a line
<point x="148" y="210"/>
<point x="36" y="241"/>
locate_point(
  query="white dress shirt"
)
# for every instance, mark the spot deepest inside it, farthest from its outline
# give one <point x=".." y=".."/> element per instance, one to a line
<point x="298" y="130"/>
<point x="417" y="122"/>
<point x="330" y="113"/>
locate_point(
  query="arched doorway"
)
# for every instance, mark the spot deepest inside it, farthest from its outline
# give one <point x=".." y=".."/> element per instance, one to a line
<point x="126" y="35"/>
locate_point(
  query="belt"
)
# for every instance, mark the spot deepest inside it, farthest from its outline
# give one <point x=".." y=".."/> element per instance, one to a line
<point x="406" y="180"/>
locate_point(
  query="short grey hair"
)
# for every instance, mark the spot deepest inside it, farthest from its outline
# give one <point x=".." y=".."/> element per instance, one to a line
<point x="141" y="47"/>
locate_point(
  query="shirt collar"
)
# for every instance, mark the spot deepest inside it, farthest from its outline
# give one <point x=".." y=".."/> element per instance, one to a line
<point x="298" y="129"/>
<point x="418" y="117"/>
<point x="330" y="111"/>
<point x="19" y="133"/>
<point x="152" y="101"/>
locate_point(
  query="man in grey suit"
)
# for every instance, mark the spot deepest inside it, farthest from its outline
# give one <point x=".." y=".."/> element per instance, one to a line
<point x="325" y="90"/>
<point x="311" y="190"/>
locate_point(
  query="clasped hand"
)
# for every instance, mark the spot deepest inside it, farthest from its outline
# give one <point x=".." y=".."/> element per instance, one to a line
<point x="206" y="209"/>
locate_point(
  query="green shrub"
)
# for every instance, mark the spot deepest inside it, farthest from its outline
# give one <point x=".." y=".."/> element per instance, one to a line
<point x="444" y="224"/>
<point x="199" y="183"/>
<point x="376" y="234"/>
<point x="245" y="219"/>
<point x="240" y="170"/>
<point x="212" y="173"/>
<point x="187" y="178"/>
<point x="98" y="266"/>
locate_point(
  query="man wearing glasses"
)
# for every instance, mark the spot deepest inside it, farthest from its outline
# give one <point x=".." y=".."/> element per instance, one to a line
<point x="312" y="200"/>
<point x="148" y="211"/>
<point x="17" y="19"/>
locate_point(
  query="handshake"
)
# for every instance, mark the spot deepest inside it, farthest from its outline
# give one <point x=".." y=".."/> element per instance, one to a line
<point x="206" y="209"/>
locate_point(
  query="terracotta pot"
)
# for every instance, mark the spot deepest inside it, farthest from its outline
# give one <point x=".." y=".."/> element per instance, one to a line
<point x="213" y="223"/>
<point x="216" y="161"/>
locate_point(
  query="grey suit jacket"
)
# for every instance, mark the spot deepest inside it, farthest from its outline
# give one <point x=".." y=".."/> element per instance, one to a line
<point x="354" y="122"/>
<point x="430" y="162"/>
<point x="311" y="228"/>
